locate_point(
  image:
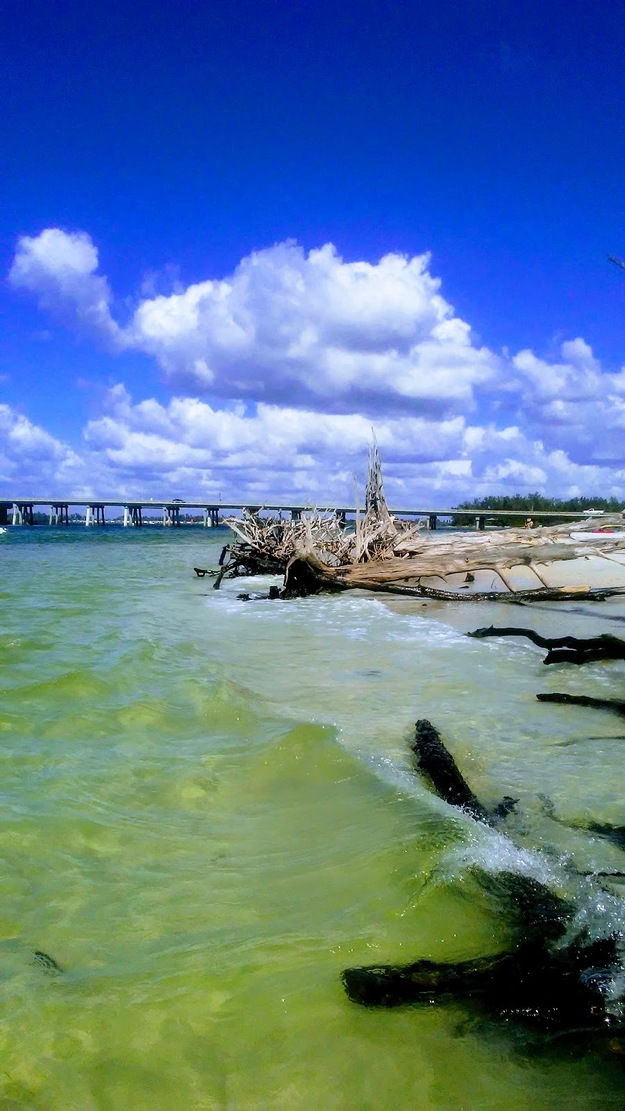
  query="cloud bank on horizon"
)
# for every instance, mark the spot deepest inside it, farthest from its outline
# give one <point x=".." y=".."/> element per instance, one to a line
<point x="279" y="371"/>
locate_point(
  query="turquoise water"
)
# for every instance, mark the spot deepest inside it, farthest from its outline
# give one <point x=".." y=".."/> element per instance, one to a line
<point x="208" y="811"/>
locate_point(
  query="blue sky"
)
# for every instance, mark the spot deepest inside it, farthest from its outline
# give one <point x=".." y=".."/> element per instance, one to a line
<point x="175" y="319"/>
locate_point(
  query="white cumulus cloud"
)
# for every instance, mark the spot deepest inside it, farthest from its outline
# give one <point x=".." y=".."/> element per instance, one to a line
<point x="287" y="327"/>
<point x="191" y="445"/>
<point x="573" y="404"/>
<point x="60" y="269"/>
<point x="279" y="369"/>
<point x="31" y="458"/>
<point x="191" y="448"/>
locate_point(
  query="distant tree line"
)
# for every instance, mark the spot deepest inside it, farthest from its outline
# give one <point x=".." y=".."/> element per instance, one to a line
<point x="532" y="503"/>
<point x="523" y="505"/>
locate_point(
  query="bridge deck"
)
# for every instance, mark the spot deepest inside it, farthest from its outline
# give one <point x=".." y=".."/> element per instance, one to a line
<point x="22" y="511"/>
<point x="275" y="507"/>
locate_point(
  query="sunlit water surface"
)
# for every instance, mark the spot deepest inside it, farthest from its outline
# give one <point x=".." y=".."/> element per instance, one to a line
<point x="209" y="810"/>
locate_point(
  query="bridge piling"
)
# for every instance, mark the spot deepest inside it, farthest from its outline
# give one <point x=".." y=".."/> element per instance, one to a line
<point x="23" y="513"/>
<point x="133" y="516"/>
<point x="95" y="514"/>
<point x="59" y="514"/>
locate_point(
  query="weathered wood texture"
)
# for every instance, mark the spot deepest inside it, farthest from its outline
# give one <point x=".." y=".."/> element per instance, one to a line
<point x="393" y="556"/>
<point x="314" y="576"/>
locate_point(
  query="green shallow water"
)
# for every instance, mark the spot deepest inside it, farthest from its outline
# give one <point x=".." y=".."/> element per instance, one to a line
<point x="208" y="812"/>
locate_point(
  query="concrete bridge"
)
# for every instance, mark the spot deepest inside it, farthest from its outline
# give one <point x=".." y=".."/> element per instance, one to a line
<point x="20" y="511"/>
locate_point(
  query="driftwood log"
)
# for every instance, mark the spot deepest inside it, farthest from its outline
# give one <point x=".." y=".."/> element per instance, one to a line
<point x="549" y="990"/>
<point x="567" y="649"/>
<point x="440" y="770"/>
<point x="614" y="705"/>
<point x="381" y="553"/>
<point x="306" y="574"/>
<point x="541" y="983"/>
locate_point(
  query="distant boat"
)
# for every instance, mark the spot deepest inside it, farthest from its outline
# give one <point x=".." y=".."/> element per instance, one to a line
<point x="2" y="530"/>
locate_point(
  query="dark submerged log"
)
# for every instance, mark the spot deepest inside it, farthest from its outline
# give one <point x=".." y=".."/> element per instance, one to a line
<point x="540" y="983"/>
<point x="391" y="985"/>
<point x="440" y="769"/>
<point x="567" y="649"/>
<point x="534" y="914"/>
<point x="559" y="990"/>
<point x="613" y="704"/>
<point x="272" y="594"/>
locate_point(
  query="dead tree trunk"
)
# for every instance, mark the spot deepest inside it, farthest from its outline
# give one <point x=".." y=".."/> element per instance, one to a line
<point x="551" y="989"/>
<point x="441" y="771"/>
<point x="612" y="704"/>
<point x="567" y="649"/>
